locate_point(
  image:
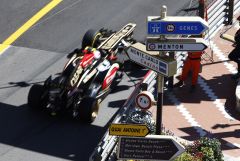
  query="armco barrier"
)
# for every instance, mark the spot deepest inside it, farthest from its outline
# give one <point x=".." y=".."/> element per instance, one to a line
<point x="217" y="14"/>
<point x="107" y="149"/>
<point x="106" y="146"/>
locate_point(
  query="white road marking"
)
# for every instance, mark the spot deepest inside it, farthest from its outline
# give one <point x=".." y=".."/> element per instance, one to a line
<point x="222" y="57"/>
<point x="233" y="145"/>
<point x="207" y="88"/>
<point x="209" y="92"/>
<point x="2" y="52"/>
<point x="57" y="13"/>
<point x="230" y="158"/>
<point x="186" y="114"/>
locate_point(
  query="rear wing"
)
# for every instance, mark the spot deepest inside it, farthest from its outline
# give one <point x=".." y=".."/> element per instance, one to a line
<point x="112" y="41"/>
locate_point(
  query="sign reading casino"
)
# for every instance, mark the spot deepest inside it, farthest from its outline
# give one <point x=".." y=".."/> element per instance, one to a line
<point x="148" y="61"/>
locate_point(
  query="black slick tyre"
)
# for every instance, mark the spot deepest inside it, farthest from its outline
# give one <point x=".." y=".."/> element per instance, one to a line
<point x="88" y="109"/>
<point x="35" y="95"/>
<point x="91" y="38"/>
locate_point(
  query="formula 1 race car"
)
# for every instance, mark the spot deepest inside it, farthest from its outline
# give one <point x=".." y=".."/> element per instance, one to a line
<point x="87" y="77"/>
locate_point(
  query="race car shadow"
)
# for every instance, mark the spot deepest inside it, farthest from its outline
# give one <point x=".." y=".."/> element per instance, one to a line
<point x="134" y="70"/>
<point x="120" y="88"/>
<point x="116" y="104"/>
<point x="19" y="84"/>
<point x="60" y="137"/>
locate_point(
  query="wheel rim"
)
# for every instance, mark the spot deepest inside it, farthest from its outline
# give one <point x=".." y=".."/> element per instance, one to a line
<point x="95" y="110"/>
<point x="95" y="39"/>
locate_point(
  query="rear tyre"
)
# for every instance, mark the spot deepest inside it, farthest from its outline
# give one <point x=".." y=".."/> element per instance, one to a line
<point x="88" y="109"/>
<point x="91" y="38"/>
<point x="35" y="95"/>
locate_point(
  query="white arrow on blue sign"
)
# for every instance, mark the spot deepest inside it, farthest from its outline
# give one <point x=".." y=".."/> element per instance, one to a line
<point x="178" y="25"/>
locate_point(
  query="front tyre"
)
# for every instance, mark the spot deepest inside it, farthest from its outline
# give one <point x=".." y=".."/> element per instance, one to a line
<point x="34" y="96"/>
<point x="91" y="38"/>
<point x="88" y="109"/>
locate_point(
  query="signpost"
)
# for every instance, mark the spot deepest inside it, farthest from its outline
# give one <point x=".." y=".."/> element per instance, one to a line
<point x="152" y="147"/>
<point x="172" y="25"/>
<point x="176" y="25"/>
<point x="128" y="130"/>
<point x="176" y="44"/>
<point x="165" y="65"/>
<point x="158" y="61"/>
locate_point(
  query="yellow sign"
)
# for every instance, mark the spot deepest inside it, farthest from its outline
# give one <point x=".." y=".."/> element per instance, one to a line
<point x="128" y="130"/>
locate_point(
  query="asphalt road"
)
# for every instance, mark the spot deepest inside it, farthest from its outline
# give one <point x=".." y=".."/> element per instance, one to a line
<point x="29" y="136"/>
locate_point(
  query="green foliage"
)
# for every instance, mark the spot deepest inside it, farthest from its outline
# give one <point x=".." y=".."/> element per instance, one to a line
<point x="208" y="153"/>
<point x="211" y="146"/>
<point x="204" y="149"/>
<point x="185" y="157"/>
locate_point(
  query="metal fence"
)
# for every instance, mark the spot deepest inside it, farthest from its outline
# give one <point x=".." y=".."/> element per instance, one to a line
<point x="105" y="149"/>
<point x="217" y="15"/>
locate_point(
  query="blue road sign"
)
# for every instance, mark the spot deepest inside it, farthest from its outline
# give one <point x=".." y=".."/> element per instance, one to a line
<point x="177" y="26"/>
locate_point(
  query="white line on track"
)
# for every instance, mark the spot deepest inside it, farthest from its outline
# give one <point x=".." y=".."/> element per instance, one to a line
<point x="57" y="13"/>
<point x="186" y="114"/>
<point x="209" y="92"/>
<point x="1" y="53"/>
<point x="222" y="57"/>
<point x="233" y="145"/>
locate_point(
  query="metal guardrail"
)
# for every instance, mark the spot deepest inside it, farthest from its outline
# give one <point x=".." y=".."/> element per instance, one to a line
<point x="107" y="144"/>
<point x="217" y="11"/>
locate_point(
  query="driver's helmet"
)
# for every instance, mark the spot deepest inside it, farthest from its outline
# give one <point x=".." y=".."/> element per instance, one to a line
<point x="87" y="50"/>
<point x="97" y="54"/>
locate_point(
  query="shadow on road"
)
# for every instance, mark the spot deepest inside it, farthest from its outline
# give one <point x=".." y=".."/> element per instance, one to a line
<point x="35" y="131"/>
<point x="116" y="104"/>
<point x="221" y="136"/>
<point x="223" y="87"/>
<point x="19" y="84"/>
<point x="60" y="137"/>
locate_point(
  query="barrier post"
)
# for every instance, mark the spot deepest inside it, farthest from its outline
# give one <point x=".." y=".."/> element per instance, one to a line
<point x="230" y="12"/>
<point x="201" y="9"/>
<point x="171" y="79"/>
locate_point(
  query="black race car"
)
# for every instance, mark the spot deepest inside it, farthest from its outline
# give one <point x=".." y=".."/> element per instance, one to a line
<point x="87" y="77"/>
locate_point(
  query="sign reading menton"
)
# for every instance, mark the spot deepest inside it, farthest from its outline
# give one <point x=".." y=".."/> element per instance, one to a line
<point x="176" y="44"/>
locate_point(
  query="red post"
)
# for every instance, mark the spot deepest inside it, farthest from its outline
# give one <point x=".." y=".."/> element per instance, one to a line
<point x="201" y="11"/>
<point x="230" y="11"/>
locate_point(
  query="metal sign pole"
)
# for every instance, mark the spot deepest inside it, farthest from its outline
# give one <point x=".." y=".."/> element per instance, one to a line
<point x="160" y="80"/>
<point x="171" y="79"/>
<point x="160" y="84"/>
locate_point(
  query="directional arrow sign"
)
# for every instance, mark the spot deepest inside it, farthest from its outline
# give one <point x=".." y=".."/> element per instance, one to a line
<point x="128" y="129"/>
<point x="164" y="65"/>
<point x="179" y="44"/>
<point x="152" y="147"/>
<point x="176" y="25"/>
